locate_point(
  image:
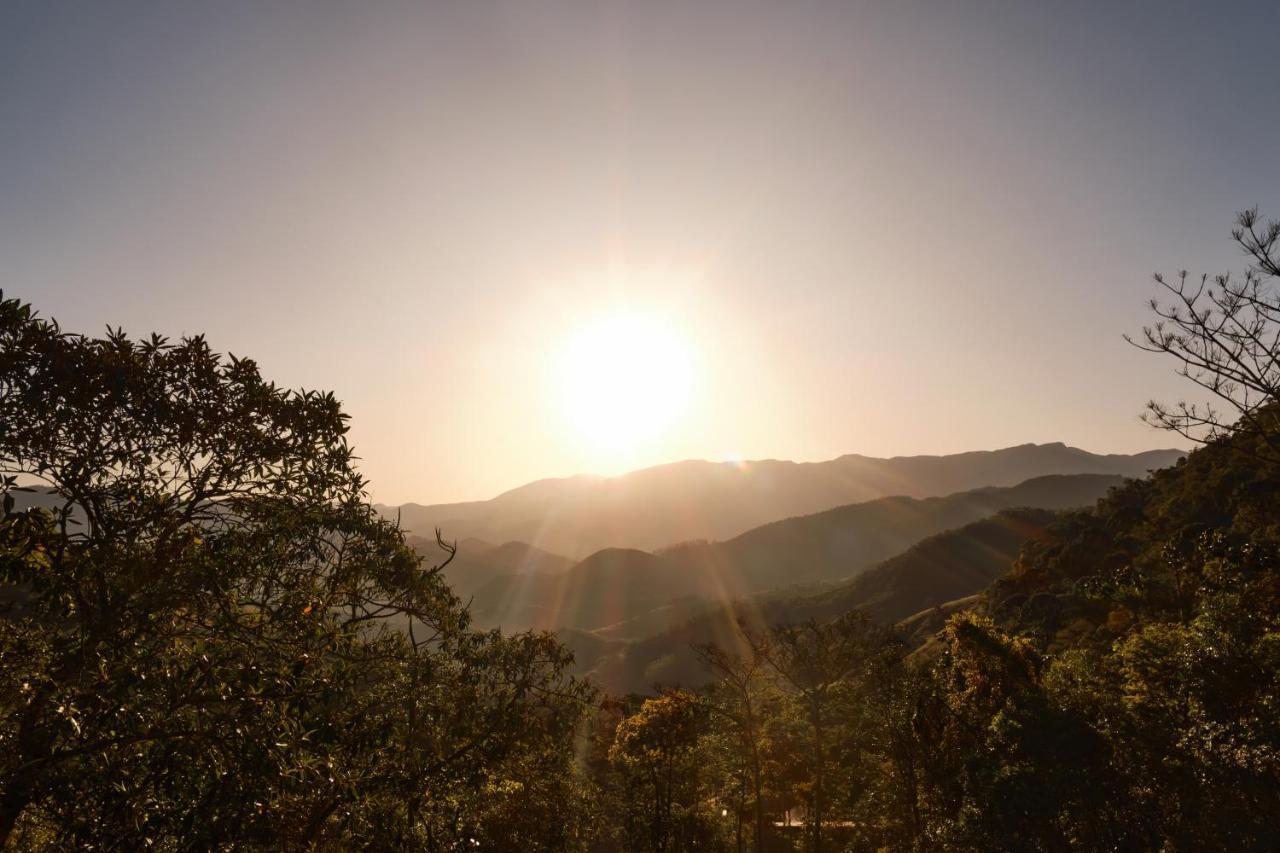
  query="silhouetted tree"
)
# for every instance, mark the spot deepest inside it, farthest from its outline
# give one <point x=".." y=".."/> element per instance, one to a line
<point x="1225" y="333"/>
<point x="210" y="637"/>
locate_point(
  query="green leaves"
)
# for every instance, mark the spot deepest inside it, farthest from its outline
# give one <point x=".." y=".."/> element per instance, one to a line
<point x="233" y="649"/>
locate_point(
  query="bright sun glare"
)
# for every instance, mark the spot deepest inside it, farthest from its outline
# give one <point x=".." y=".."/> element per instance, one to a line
<point x="626" y="379"/>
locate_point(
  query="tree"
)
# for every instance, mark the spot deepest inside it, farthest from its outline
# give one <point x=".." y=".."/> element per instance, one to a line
<point x="1188" y="703"/>
<point x="657" y="751"/>
<point x="1224" y="332"/>
<point x="738" y="699"/>
<point x="209" y="635"/>
<point x="829" y="667"/>
<point x="902" y="699"/>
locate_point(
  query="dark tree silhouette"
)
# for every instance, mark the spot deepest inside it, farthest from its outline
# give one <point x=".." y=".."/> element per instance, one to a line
<point x="1224" y="331"/>
<point x="208" y="635"/>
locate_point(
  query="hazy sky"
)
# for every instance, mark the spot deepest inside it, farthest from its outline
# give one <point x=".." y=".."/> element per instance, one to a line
<point x="885" y="228"/>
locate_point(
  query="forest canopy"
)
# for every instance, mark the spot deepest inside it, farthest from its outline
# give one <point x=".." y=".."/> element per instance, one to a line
<point x="210" y="639"/>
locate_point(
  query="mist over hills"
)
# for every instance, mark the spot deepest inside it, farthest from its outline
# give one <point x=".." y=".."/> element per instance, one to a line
<point x="628" y="593"/>
<point x="699" y="500"/>
<point x="918" y="588"/>
<point x="630" y="614"/>
<point x="478" y="563"/>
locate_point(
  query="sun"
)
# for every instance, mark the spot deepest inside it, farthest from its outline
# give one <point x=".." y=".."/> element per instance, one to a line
<point x="626" y="379"/>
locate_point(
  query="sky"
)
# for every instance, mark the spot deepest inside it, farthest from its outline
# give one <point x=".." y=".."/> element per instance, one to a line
<point x="882" y="228"/>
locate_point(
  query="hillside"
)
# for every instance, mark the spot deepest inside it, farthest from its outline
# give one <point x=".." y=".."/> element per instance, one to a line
<point x="478" y="563"/>
<point x="699" y="500"/>
<point x="1152" y="550"/>
<point x="1122" y="656"/>
<point x="629" y="593"/>
<point x="938" y="572"/>
<point x="939" y="569"/>
<point x="1133" y="656"/>
<point x="609" y="586"/>
<point x="838" y="543"/>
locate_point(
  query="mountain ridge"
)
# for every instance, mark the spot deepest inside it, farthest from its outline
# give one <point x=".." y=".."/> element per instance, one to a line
<point x="916" y="589"/>
<point x="615" y="586"/>
<point x="654" y="507"/>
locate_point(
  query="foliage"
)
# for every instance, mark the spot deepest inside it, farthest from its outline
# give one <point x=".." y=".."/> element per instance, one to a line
<point x="829" y="670"/>
<point x="212" y="640"/>
<point x="658" y="754"/>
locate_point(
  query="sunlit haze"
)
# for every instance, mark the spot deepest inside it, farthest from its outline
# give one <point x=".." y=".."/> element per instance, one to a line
<point x="527" y="240"/>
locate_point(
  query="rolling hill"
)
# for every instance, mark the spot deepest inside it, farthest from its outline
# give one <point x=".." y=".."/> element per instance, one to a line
<point x="627" y="593"/>
<point x="918" y="588"/>
<point x="478" y="563"/>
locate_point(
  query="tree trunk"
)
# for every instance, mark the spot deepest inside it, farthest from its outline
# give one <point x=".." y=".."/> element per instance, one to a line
<point x="35" y="743"/>
<point x="742" y="796"/>
<point x="12" y="802"/>
<point x="820" y="776"/>
<point x="759" y="805"/>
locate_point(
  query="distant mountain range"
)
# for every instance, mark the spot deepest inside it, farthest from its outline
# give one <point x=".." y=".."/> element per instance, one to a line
<point x="698" y="500"/>
<point x="624" y="593"/>
<point x="672" y="558"/>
